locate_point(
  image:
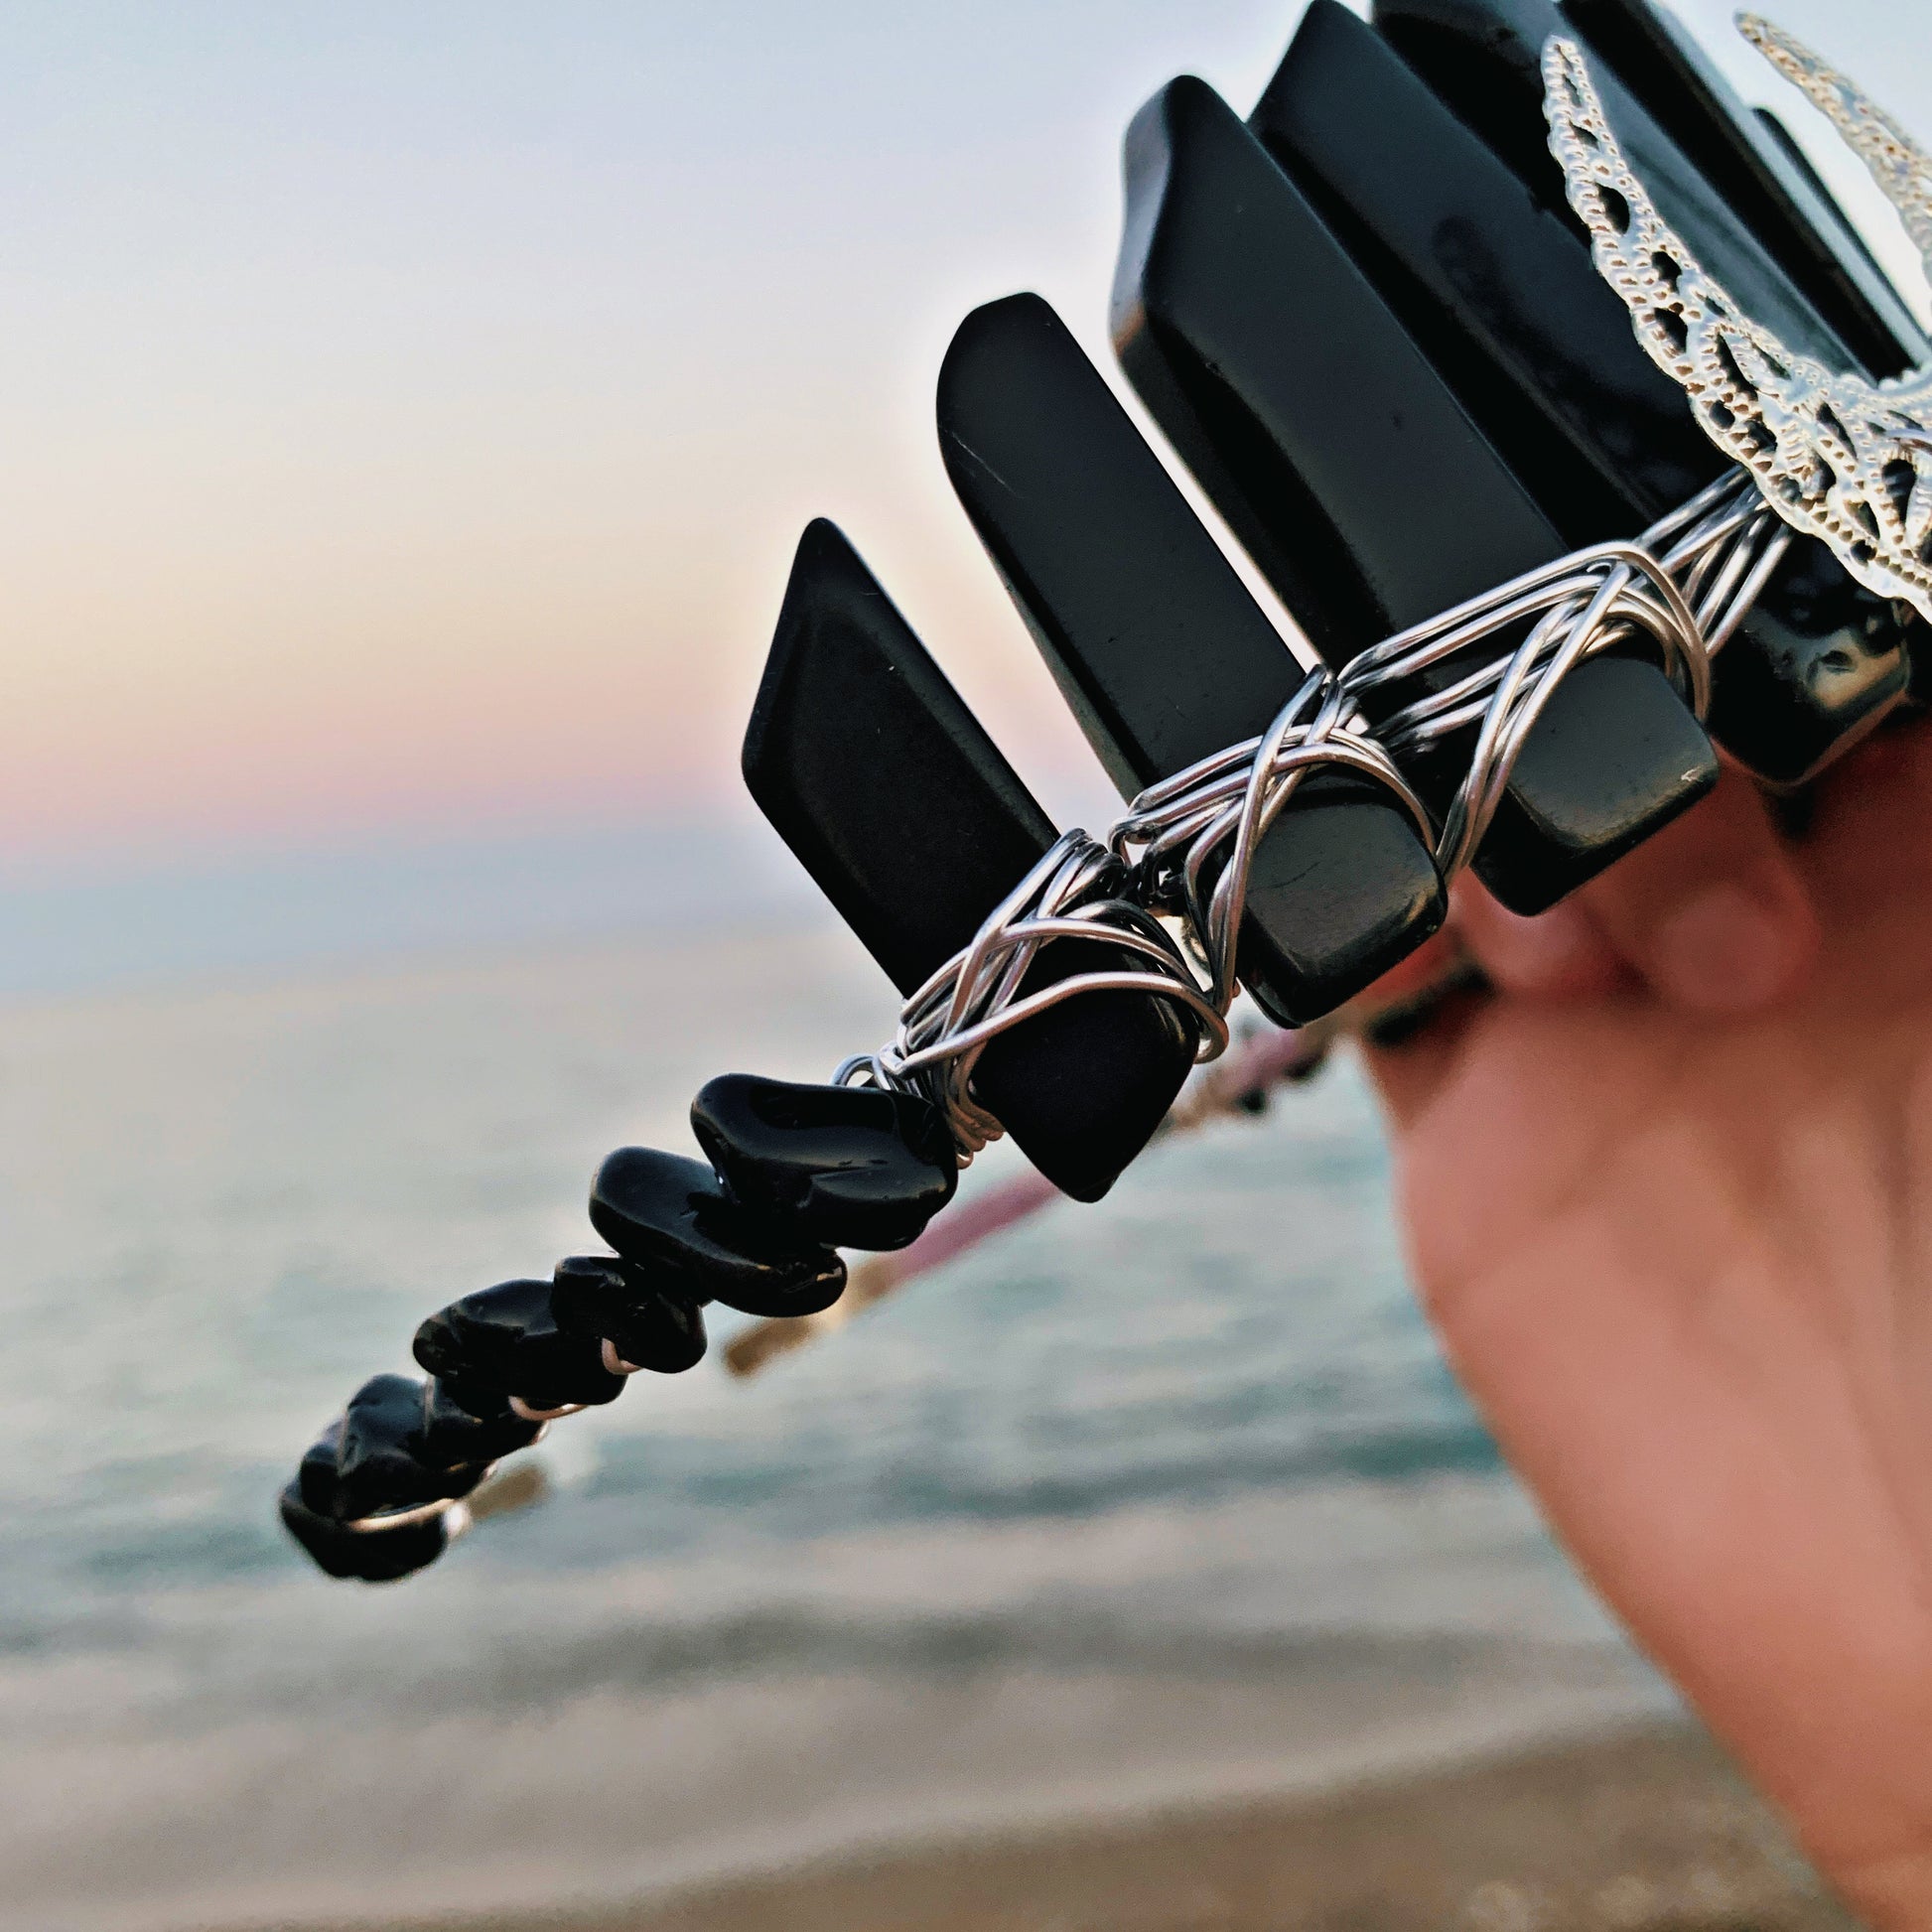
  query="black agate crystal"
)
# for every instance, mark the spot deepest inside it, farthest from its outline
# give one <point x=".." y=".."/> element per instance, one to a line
<point x="507" y="1340"/>
<point x="651" y="1327"/>
<point x="371" y="1460"/>
<point x="1363" y="489"/>
<point x="369" y="1557"/>
<point x="469" y="1425"/>
<point x="853" y="1166"/>
<point x="868" y="765"/>
<point x="672" y="1216"/>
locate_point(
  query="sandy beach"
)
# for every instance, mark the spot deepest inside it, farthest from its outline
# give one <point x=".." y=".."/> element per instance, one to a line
<point x="1146" y="1571"/>
<point x="1647" y="1830"/>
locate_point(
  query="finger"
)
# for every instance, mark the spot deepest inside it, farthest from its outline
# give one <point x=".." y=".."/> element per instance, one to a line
<point x="1712" y="913"/>
<point x="1869" y="850"/>
<point x="1403" y="1058"/>
<point x="1411" y="1072"/>
<point x="1558" y="954"/>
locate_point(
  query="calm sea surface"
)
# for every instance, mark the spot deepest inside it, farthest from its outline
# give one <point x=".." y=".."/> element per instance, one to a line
<point x="1170" y="1498"/>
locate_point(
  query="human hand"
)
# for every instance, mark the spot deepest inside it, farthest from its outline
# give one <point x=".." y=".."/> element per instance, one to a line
<point x="1668" y="1198"/>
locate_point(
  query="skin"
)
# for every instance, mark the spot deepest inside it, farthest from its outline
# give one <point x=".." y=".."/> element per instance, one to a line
<point x="1667" y="1195"/>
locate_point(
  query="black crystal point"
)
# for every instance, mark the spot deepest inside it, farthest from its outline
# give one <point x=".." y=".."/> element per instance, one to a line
<point x="1357" y="481"/>
<point x="367" y="1556"/>
<point x="372" y="1460"/>
<point x="1493" y="283"/>
<point x="873" y="771"/>
<point x="509" y="1340"/>
<point x="672" y="1217"/>
<point x="649" y="1325"/>
<point x="1822" y="662"/>
<point x="853" y="1166"/>
<point x="1163" y="657"/>
<point x="1500" y="291"/>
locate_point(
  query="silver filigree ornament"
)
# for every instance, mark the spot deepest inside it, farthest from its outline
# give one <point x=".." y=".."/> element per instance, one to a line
<point x="1901" y="167"/>
<point x="1837" y="456"/>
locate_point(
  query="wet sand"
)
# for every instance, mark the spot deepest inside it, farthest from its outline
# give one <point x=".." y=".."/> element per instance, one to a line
<point x="1649" y="1831"/>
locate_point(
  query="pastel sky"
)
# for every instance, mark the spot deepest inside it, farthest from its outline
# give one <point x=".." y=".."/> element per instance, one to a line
<point x="410" y="409"/>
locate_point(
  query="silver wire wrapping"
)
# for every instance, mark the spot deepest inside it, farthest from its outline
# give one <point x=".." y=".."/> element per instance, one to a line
<point x="1198" y="831"/>
<point x="1724" y="545"/>
<point x="1184" y="848"/>
<point x="1078" y="891"/>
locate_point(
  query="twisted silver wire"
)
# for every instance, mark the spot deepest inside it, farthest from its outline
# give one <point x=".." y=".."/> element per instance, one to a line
<point x="1718" y="549"/>
<point x="1722" y="547"/>
<point x="1196" y="831"/>
<point x="1184" y="850"/>
<point x="1078" y="891"/>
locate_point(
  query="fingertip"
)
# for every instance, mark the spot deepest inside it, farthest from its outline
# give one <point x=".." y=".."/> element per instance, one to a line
<point x="1713" y="916"/>
<point x="1558" y="954"/>
<point x="1738" y="947"/>
<point x="1410" y="1065"/>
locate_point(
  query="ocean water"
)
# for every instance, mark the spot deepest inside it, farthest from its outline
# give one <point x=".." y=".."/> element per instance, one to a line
<point x="1159" y="1501"/>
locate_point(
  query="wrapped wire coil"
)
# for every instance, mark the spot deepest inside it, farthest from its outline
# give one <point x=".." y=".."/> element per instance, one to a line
<point x="1184" y="848"/>
<point x="1078" y="891"/>
<point x="1682" y="589"/>
<point x="1198" y="831"/>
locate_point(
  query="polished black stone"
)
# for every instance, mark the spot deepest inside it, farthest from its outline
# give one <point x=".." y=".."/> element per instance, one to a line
<point x="1496" y="286"/>
<point x="1501" y="292"/>
<point x="367" y="1555"/>
<point x="1357" y="481"/>
<point x="315" y="1475"/>
<point x="853" y="1166"/>
<point x="469" y="1425"/>
<point x="650" y="1325"/>
<point x="371" y="1460"/>
<point x="914" y="826"/>
<point x="1163" y="657"/>
<point x="509" y="1340"/>
<point x="1787" y="144"/>
<point x="672" y="1216"/>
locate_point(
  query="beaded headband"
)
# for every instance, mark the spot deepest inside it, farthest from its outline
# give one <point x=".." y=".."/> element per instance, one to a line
<point x="1436" y="726"/>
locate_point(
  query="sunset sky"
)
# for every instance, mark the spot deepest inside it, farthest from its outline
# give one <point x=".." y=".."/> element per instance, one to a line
<point x="412" y="408"/>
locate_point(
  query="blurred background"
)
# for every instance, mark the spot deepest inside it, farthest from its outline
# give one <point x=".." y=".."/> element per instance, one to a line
<point x="410" y="414"/>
